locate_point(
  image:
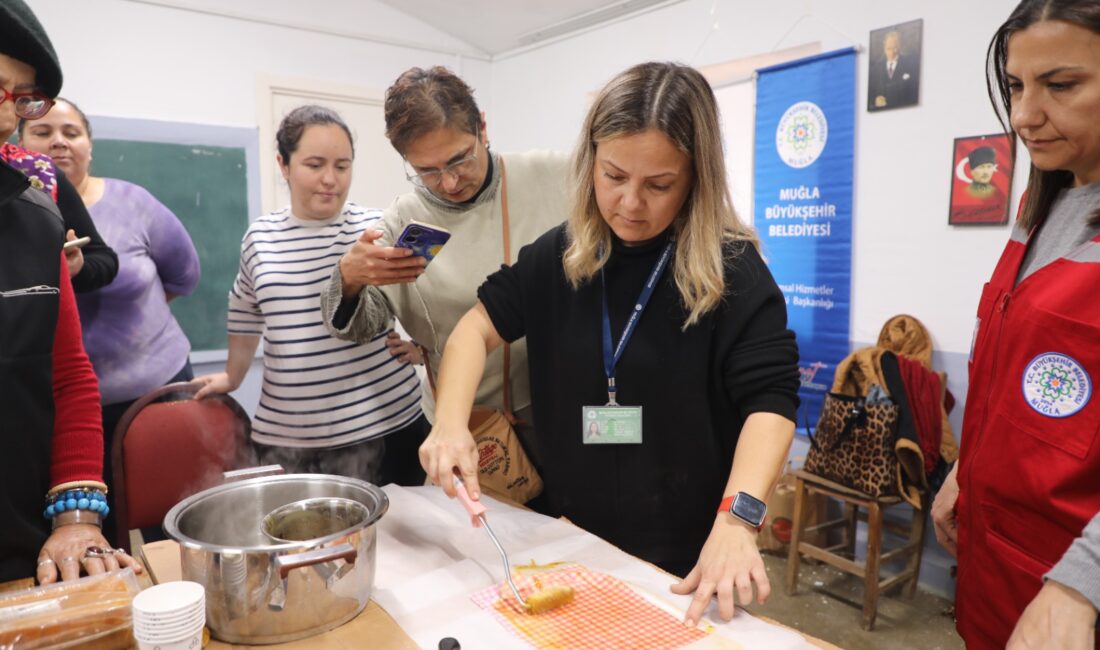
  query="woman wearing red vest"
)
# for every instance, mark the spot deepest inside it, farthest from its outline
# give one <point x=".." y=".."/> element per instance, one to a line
<point x="1020" y="507"/>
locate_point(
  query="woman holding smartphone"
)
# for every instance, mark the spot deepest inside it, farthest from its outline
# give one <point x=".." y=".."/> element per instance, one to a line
<point x="326" y="406"/>
<point x="130" y="334"/>
<point x="465" y="188"/>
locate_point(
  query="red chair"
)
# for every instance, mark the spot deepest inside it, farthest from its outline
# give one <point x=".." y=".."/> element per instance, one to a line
<point x="169" y="446"/>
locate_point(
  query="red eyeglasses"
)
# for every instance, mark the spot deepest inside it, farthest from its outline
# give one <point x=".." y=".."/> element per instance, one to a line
<point x="29" y="106"/>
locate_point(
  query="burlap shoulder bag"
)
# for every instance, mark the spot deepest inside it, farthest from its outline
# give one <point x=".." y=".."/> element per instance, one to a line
<point x="503" y="464"/>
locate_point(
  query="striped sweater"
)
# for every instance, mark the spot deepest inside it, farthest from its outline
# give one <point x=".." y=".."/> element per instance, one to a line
<point x="318" y="391"/>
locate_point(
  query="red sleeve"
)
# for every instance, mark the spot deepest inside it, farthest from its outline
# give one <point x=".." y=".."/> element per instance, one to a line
<point x="78" y="422"/>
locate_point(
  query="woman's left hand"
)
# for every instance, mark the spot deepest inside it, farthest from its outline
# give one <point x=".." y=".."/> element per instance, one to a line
<point x="729" y="560"/>
<point x="67" y="551"/>
<point x="402" y="350"/>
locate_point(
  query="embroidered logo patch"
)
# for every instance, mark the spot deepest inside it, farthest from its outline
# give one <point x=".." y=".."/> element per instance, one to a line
<point x="1056" y="385"/>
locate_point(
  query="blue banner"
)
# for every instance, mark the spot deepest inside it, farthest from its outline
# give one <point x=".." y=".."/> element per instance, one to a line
<point x="805" y="127"/>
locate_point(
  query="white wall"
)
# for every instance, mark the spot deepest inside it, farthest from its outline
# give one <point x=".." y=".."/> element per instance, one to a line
<point x="907" y="259"/>
<point x="131" y="59"/>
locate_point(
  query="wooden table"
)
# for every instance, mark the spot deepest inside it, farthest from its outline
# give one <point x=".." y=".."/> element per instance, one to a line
<point x="163" y="561"/>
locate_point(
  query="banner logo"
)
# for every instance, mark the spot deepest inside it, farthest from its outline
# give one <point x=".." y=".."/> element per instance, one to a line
<point x="809" y="372"/>
<point x="801" y="135"/>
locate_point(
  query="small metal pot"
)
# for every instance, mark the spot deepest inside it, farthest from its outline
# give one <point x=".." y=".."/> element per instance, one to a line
<point x="308" y="519"/>
<point x="264" y="590"/>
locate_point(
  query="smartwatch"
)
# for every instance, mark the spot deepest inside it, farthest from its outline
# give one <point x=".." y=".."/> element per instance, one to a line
<point x="745" y="507"/>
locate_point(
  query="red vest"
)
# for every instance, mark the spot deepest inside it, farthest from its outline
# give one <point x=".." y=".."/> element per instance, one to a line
<point x="1029" y="474"/>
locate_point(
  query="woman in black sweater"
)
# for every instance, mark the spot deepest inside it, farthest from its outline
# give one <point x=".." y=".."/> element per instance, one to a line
<point x="652" y="297"/>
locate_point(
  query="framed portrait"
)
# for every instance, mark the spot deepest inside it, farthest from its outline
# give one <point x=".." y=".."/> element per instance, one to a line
<point x="893" y="72"/>
<point x="981" y="180"/>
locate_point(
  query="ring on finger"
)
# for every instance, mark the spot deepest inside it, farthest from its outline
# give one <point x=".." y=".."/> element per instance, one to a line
<point x="66" y="560"/>
<point x="95" y="551"/>
<point x="88" y="558"/>
<point x="45" y="562"/>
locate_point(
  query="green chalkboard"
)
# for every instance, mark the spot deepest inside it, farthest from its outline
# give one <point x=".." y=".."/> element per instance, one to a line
<point x="207" y="189"/>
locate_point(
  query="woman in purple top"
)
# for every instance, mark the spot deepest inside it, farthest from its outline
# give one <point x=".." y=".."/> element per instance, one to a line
<point x="132" y="339"/>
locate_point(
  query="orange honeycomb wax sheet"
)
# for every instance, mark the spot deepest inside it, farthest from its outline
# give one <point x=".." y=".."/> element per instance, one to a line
<point x="604" y="614"/>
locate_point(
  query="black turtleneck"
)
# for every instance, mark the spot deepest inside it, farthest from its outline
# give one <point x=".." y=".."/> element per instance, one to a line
<point x="658" y="499"/>
<point x="485" y="183"/>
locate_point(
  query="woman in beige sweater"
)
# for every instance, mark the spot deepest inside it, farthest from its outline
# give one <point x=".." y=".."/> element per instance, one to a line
<point x="460" y="184"/>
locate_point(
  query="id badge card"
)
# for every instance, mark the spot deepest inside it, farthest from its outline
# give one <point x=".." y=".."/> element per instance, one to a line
<point x="611" y="425"/>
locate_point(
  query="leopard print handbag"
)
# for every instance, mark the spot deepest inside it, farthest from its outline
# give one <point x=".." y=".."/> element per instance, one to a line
<point x="854" y="444"/>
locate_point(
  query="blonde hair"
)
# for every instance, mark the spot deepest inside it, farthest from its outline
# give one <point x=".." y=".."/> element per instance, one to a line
<point x="677" y="101"/>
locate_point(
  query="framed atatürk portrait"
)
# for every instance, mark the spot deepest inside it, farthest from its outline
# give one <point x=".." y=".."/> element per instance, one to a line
<point x="981" y="180"/>
<point x="893" y="74"/>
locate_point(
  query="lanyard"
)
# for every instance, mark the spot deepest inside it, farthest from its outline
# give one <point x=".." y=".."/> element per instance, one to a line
<point x="611" y="359"/>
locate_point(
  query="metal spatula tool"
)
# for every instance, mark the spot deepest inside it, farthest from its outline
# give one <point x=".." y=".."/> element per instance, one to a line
<point x="536" y="603"/>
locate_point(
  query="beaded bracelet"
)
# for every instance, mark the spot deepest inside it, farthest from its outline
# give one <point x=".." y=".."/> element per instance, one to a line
<point x="92" y="500"/>
<point x="77" y="485"/>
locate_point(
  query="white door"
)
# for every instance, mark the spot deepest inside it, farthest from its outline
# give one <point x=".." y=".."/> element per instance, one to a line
<point x="378" y="174"/>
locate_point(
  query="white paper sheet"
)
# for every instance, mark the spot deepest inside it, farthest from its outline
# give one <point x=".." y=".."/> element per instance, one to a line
<point x="430" y="559"/>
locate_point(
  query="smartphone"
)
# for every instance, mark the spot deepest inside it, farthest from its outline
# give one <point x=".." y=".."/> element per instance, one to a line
<point x="77" y="243"/>
<point x="424" y="240"/>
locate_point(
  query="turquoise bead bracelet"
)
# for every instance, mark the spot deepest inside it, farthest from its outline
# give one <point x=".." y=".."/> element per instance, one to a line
<point x="91" y="500"/>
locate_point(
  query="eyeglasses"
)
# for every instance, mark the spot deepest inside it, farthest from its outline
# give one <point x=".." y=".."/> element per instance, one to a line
<point x="29" y="106"/>
<point x="457" y="169"/>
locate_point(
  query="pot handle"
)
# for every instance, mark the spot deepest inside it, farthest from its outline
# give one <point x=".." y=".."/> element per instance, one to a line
<point x="287" y="563"/>
<point x="252" y="472"/>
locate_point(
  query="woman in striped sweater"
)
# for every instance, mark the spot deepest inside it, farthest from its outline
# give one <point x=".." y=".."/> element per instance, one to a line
<point x="327" y="406"/>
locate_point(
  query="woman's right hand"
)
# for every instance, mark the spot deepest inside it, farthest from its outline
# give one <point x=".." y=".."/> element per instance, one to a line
<point x="943" y="512"/>
<point x="366" y="263"/>
<point x="218" y="382"/>
<point x="74" y="257"/>
<point x="446" y="448"/>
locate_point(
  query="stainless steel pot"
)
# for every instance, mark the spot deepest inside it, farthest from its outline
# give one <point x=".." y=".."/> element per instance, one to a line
<point x="263" y="591"/>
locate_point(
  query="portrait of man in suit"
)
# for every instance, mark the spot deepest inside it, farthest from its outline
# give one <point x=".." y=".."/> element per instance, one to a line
<point x="894" y="77"/>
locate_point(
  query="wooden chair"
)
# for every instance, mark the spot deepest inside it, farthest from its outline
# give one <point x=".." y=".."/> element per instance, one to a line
<point x="842" y="555"/>
<point x="168" y="446"/>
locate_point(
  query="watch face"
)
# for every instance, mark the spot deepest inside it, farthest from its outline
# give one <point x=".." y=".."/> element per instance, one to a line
<point x="749" y="508"/>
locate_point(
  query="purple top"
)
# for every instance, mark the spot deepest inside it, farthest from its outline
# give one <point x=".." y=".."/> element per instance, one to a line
<point x="133" y="340"/>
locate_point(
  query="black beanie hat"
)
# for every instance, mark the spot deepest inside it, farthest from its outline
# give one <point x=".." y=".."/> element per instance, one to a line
<point x="982" y="156"/>
<point x="22" y="38"/>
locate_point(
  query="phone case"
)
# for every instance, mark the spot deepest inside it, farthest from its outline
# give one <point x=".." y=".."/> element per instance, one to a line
<point x="425" y="241"/>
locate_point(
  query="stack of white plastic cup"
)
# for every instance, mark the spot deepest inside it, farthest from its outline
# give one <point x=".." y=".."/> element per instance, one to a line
<point x="170" y="616"/>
